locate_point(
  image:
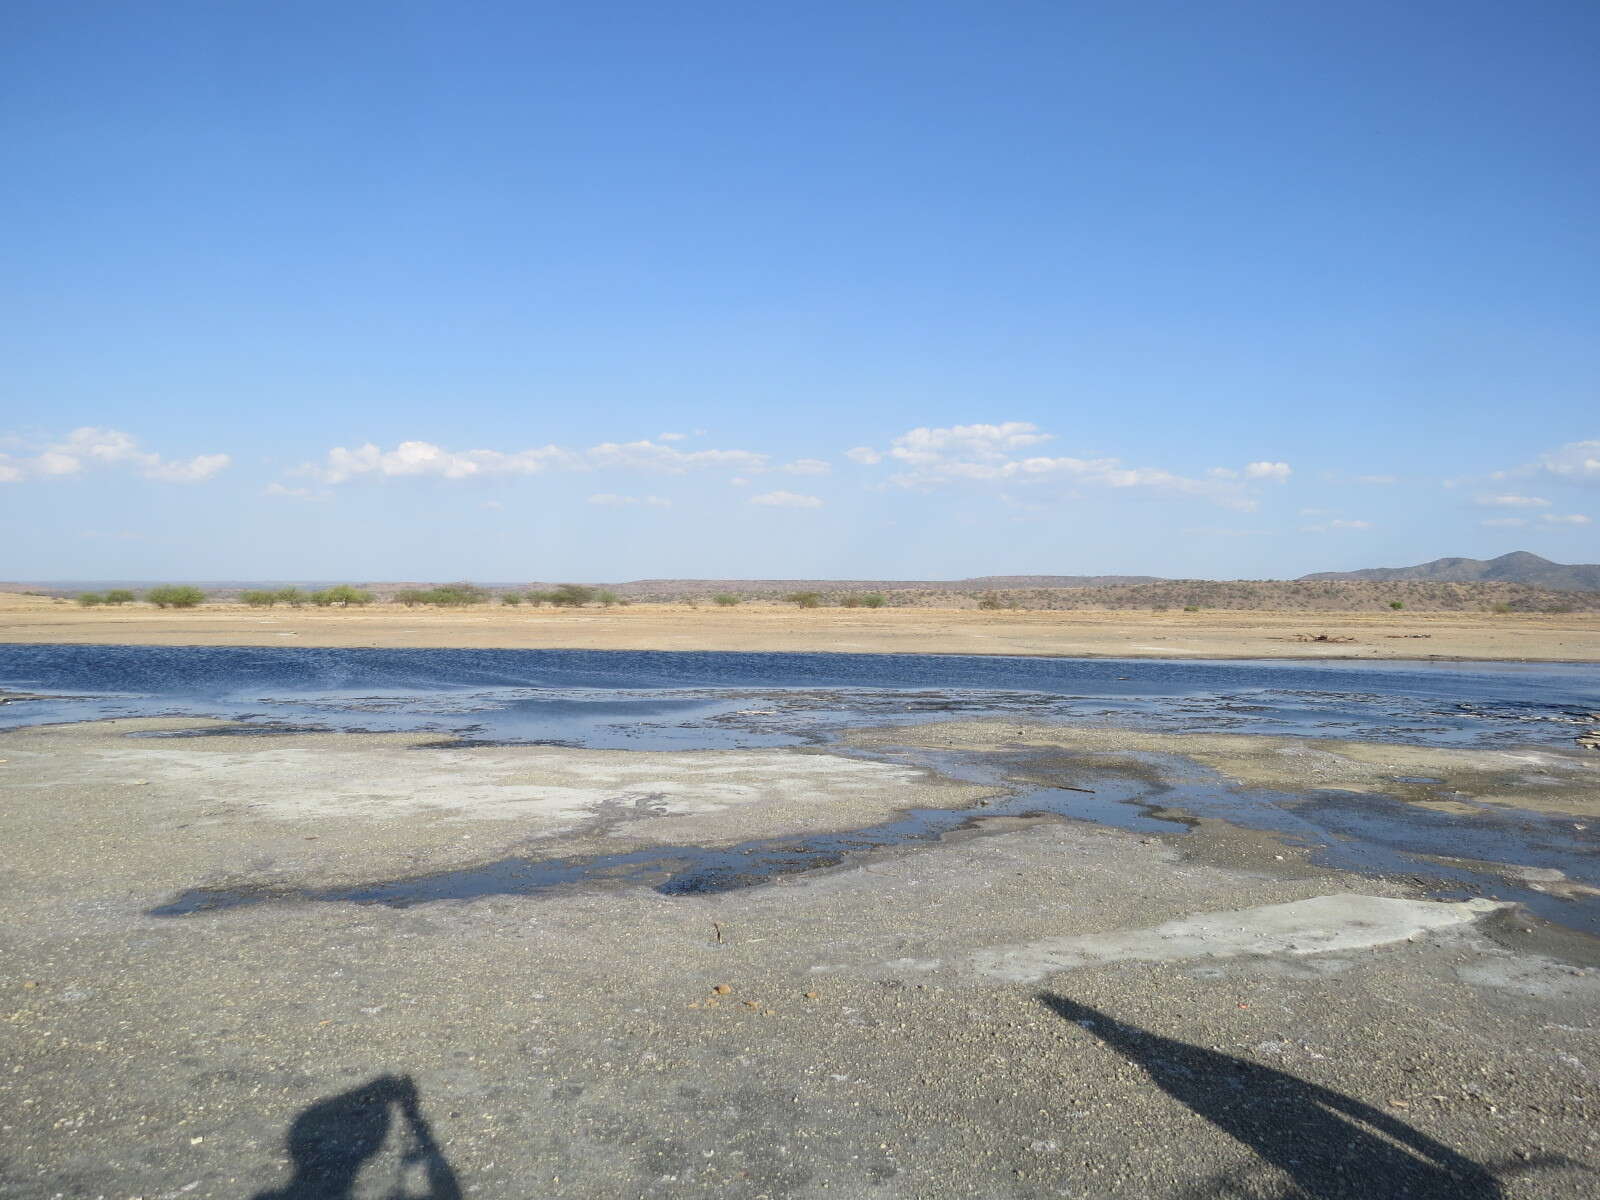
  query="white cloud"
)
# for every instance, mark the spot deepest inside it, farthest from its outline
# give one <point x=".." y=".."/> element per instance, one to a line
<point x="786" y="500"/>
<point x="424" y="458"/>
<point x="612" y="500"/>
<point x="1504" y="522"/>
<point x="193" y="470"/>
<point x="1567" y="519"/>
<point x="295" y="493"/>
<point x="1576" y="461"/>
<point x="932" y="457"/>
<point x="1511" y="501"/>
<point x="1329" y="526"/>
<point x="865" y="455"/>
<point x="970" y="443"/>
<point x="806" y="466"/>
<point x="1277" y="472"/>
<point x="738" y="481"/>
<point x="671" y="437"/>
<point x="91" y="447"/>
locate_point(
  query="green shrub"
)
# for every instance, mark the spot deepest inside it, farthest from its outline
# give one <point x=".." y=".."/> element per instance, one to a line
<point x="1501" y="607"/>
<point x="573" y="595"/>
<point x="341" y="595"/>
<point x="175" y="596"/>
<point x="805" y="599"/>
<point x="725" y="599"/>
<point x="259" y="599"/>
<point x="91" y="599"/>
<point x="538" y="598"/>
<point x="874" y="600"/>
<point x="511" y="599"/>
<point x="608" y="598"/>
<point x="292" y="596"/>
<point x="1191" y="608"/>
<point x="455" y="595"/>
<point x="991" y="601"/>
<point x="118" y="596"/>
<point x="410" y="597"/>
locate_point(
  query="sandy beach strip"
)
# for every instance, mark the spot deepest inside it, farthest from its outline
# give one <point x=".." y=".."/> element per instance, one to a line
<point x="1488" y="637"/>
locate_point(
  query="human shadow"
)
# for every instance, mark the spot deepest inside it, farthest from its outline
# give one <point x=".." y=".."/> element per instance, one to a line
<point x="1331" y="1146"/>
<point x="331" y="1140"/>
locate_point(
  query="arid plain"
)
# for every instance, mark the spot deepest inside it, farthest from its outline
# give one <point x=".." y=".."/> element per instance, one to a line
<point x="1532" y="637"/>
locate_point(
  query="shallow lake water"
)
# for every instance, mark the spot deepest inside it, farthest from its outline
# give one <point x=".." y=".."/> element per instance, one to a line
<point x="686" y="700"/>
<point x="667" y="701"/>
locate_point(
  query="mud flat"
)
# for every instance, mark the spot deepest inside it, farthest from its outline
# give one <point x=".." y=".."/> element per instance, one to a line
<point x="1571" y="637"/>
<point x="1027" y="1006"/>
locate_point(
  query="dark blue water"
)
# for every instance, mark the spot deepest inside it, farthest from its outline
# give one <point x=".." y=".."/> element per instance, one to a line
<point x="679" y="700"/>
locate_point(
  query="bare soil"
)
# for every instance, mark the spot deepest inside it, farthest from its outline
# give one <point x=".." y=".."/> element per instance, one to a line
<point x="1568" y="637"/>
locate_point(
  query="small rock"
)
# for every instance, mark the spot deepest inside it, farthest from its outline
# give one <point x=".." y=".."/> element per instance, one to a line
<point x="813" y="995"/>
<point x="30" y="983"/>
<point x="722" y="989"/>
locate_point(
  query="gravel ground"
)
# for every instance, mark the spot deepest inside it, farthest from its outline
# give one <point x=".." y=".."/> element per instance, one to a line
<point x="835" y="1033"/>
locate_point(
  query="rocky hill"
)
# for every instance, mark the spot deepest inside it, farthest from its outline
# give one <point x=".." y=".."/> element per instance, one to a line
<point x="1517" y="567"/>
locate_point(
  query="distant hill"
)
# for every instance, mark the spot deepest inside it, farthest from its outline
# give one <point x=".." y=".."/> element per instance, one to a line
<point x="674" y="588"/>
<point x="1517" y="567"/>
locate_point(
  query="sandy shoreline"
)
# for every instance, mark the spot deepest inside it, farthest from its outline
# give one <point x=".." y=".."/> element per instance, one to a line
<point x="1488" y="637"/>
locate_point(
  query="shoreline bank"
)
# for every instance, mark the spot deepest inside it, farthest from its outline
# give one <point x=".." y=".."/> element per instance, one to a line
<point x="1302" y="636"/>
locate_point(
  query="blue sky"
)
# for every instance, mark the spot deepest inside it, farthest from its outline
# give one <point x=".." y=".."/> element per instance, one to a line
<point x="910" y="290"/>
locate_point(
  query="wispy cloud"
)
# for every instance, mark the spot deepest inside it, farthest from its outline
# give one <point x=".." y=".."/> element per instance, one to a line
<point x="1510" y="500"/>
<point x="1503" y="522"/>
<point x="426" y="459"/>
<point x="929" y="457"/>
<point x="1575" y="462"/>
<point x="296" y="493"/>
<point x="806" y="466"/>
<point x="1565" y="519"/>
<point x="90" y="448"/>
<point x="786" y="500"/>
<point x="1330" y="526"/>
<point x="612" y="500"/>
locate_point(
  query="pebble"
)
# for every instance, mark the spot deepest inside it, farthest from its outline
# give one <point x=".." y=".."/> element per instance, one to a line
<point x="722" y="989"/>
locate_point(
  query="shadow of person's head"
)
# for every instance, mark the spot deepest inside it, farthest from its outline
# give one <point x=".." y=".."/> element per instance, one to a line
<point x="331" y="1141"/>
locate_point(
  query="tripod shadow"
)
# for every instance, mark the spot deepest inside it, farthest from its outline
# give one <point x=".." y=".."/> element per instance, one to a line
<point x="1332" y="1146"/>
<point x="331" y="1140"/>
